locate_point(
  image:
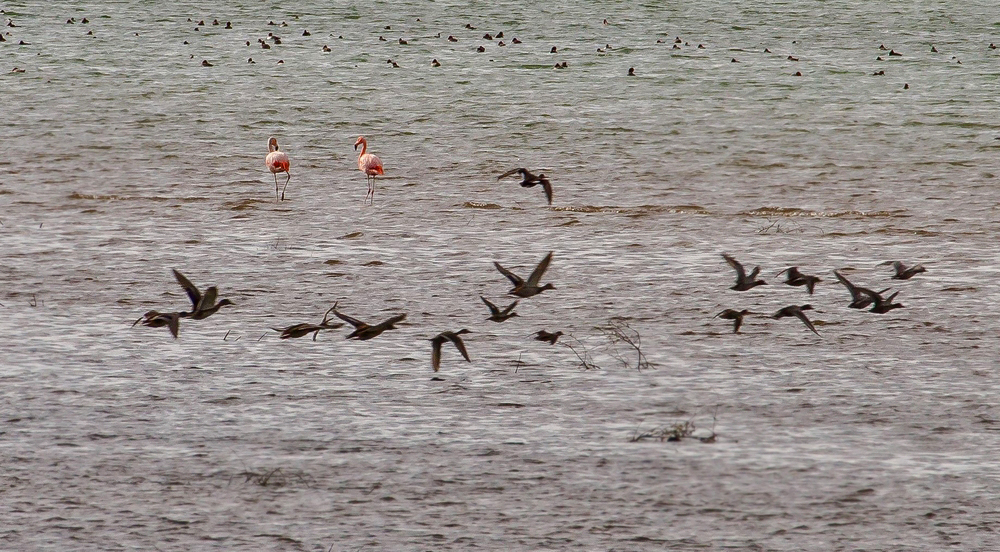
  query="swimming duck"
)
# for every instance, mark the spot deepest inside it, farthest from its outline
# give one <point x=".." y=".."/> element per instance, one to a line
<point x="530" y="287"/>
<point x="498" y="315"/>
<point x="796" y="278"/>
<point x="543" y="335"/>
<point x="363" y="331"/>
<point x="734" y="315"/>
<point x="903" y="273"/>
<point x="743" y="282"/>
<point x="203" y="305"/>
<point x="439" y="340"/>
<point x="796" y="311"/>
<point x="530" y="180"/>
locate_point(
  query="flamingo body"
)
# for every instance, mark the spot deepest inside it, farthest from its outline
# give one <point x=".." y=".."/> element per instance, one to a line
<point x="370" y="164"/>
<point x="276" y="162"/>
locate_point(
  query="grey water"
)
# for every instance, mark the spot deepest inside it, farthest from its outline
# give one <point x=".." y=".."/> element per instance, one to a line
<point x="122" y="156"/>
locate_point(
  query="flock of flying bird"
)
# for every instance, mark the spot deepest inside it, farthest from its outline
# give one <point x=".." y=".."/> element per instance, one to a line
<point x="204" y="305"/>
<point x="276" y="161"/>
<point x="861" y="298"/>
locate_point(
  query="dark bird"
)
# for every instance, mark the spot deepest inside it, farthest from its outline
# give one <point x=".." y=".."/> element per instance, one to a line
<point x="860" y="297"/>
<point x="202" y="305"/>
<point x="439" y="340"/>
<point x="363" y="331"/>
<point x="734" y="315"/>
<point x="796" y="311"/>
<point x="880" y="305"/>
<point x="155" y="319"/>
<point x="543" y="335"/>
<point x="743" y="282"/>
<point x="796" y="278"/>
<point x="904" y="273"/>
<point x="530" y="180"/>
<point x="498" y="315"/>
<point x="304" y="329"/>
<point x="529" y="287"/>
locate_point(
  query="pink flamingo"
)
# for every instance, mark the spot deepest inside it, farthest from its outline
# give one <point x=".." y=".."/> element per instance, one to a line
<point x="276" y="162"/>
<point x="369" y="164"/>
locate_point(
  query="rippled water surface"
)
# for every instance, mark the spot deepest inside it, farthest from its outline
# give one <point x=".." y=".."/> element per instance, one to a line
<point x="122" y="156"/>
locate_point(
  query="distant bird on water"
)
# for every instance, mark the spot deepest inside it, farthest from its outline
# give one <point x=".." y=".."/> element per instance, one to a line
<point x="498" y="315"/>
<point x="276" y="162"/>
<point x="203" y="305"/>
<point x="743" y="282"/>
<point x="439" y="340"/>
<point x="796" y="278"/>
<point x="529" y="287"/>
<point x="363" y="331"/>
<point x="530" y="180"/>
<point x="904" y="273"/>
<point x="796" y="311"/>
<point x="734" y="315"/>
<point x="369" y="164"/>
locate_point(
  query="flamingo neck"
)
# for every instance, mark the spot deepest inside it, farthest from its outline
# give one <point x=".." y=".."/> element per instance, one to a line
<point x="272" y="145"/>
<point x="364" y="147"/>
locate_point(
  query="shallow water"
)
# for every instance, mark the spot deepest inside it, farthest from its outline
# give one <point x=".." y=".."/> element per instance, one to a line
<point x="124" y="157"/>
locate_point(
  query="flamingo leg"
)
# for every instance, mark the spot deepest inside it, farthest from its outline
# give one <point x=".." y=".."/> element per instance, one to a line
<point x="289" y="175"/>
<point x="275" y="175"/>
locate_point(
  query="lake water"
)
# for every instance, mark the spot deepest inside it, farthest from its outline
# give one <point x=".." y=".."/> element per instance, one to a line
<point x="123" y="157"/>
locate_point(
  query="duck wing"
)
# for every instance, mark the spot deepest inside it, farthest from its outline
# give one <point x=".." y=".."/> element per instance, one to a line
<point x="436" y="352"/>
<point x="536" y="274"/>
<point x="802" y="316"/>
<point x="174" y="323"/>
<point x="521" y="170"/>
<point x="208" y="299"/>
<point x="350" y="320"/>
<point x="514" y="278"/>
<point x="741" y="274"/>
<point x="458" y="345"/>
<point x="493" y="308"/>
<point x="855" y="294"/>
<point x="509" y="308"/>
<point x="189" y="288"/>
<point x="548" y="188"/>
<point x="391" y="323"/>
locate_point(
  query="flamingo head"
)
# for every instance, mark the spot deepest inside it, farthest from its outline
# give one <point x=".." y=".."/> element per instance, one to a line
<point x="272" y="144"/>
<point x="360" y="141"/>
